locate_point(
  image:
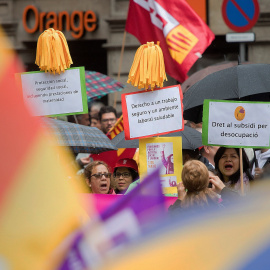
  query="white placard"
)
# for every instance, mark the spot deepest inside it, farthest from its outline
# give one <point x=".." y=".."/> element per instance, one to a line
<point x="239" y="124"/>
<point x="155" y="112"/>
<point x="48" y="94"/>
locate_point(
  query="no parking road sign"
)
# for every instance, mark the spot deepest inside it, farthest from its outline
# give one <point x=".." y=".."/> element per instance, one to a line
<point x="240" y="15"/>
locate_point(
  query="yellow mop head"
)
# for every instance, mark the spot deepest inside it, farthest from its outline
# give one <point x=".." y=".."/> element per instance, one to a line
<point x="148" y="68"/>
<point x="52" y="52"/>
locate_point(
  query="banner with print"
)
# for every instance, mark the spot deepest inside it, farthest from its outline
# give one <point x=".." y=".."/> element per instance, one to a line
<point x="236" y="124"/>
<point x="54" y="95"/>
<point x="165" y="152"/>
<point x="150" y="113"/>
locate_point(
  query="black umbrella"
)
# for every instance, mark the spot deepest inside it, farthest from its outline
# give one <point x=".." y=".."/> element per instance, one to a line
<point x="191" y="139"/>
<point x="81" y="139"/>
<point x="242" y="82"/>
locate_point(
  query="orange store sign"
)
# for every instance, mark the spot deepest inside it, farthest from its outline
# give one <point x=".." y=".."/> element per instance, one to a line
<point x="77" y="22"/>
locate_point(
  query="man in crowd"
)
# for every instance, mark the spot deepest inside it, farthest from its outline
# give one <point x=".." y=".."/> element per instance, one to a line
<point x="81" y="119"/>
<point x="207" y="154"/>
<point x="263" y="159"/>
<point x="107" y="116"/>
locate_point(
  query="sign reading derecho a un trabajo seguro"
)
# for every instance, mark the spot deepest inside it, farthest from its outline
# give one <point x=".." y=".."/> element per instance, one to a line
<point x="237" y="124"/>
<point x="149" y="113"/>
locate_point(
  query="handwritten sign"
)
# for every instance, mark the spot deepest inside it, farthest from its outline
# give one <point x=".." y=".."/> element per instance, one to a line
<point x="165" y="152"/>
<point x="153" y="112"/>
<point x="59" y="94"/>
<point x="237" y="124"/>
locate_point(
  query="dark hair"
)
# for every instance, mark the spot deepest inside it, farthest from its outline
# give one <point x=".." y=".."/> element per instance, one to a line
<point x="72" y="118"/>
<point x="95" y="116"/>
<point x="235" y="177"/>
<point x="190" y="154"/>
<point x="133" y="173"/>
<point x="106" y="109"/>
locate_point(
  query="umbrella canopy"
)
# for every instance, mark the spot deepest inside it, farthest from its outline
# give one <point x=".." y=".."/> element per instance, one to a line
<point x="81" y="139"/>
<point x="199" y="75"/>
<point x="191" y="139"/>
<point x="99" y="85"/>
<point x="242" y="82"/>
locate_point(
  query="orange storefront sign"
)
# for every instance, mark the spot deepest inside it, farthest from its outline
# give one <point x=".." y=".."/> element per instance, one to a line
<point x="199" y="6"/>
<point x="77" y="22"/>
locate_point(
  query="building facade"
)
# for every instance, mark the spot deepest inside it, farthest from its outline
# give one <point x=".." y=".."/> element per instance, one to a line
<point x="94" y="30"/>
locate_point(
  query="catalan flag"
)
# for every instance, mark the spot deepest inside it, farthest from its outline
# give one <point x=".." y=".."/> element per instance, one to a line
<point x="111" y="157"/>
<point x="38" y="205"/>
<point x="183" y="35"/>
<point x="116" y="129"/>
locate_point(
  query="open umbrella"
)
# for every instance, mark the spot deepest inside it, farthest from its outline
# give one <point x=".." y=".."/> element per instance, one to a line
<point x="242" y="82"/>
<point x="199" y="75"/>
<point x="191" y="139"/>
<point x="99" y="85"/>
<point x="81" y="139"/>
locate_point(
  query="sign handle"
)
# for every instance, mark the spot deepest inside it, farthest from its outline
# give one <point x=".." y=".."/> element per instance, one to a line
<point x="241" y="171"/>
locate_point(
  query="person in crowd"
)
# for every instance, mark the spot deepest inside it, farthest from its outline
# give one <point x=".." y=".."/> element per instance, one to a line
<point x="95" y="122"/>
<point x="227" y="163"/>
<point x="81" y="119"/>
<point x="125" y="173"/>
<point x="95" y="107"/>
<point x="167" y="162"/>
<point x="98" y="178"/>
<point x="193" y="191"/>
<point x="189" y="154"/>
<point x="207" y="154"/>
<point x="226" y="195"/>
<point x="107" y="116"/>
<point x="261" y="160"/>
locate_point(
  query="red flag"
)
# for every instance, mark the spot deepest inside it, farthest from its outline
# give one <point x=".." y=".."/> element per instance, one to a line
<point x="111" y="157"/>
<point x="183" y="35"/>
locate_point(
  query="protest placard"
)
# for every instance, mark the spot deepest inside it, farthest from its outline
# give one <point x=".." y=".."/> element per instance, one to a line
<point x="165" y="152"/>
<point x="152" y="113"/>
<point x="59" y="94"/>
<point x="236" y="124"/>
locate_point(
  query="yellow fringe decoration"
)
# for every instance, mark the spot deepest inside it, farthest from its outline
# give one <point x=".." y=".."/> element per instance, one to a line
<point x="148" y="68"/>
<point x="52" y="52"/>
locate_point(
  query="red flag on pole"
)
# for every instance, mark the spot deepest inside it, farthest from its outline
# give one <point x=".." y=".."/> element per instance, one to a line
<point x="183" y="35"/>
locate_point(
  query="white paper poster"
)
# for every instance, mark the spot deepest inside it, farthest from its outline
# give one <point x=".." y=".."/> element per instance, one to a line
<point x="48" y="94"/>
<point x="238" y="124"/>
<point x="153" y="112"/>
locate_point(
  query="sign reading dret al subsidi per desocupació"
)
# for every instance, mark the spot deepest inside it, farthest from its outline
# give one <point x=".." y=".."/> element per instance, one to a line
<point x="150" y="113"/>
<point x="236" y="124"/>
<point x="51" y="95"/>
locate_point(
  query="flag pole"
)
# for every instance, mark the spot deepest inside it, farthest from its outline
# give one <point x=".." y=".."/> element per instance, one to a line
<point x="120" y="66"/>
<point x="241" y="171"/>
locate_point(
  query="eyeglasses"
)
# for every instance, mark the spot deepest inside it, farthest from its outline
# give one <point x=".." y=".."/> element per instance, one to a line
<point x="99" y="175"/>
<point x="125" y="175"/>
<point x="108" y="120"/>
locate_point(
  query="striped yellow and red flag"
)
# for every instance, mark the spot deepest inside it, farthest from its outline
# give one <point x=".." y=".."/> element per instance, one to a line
<point x="116" y="129"/>
<point x="38" y="203"/>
